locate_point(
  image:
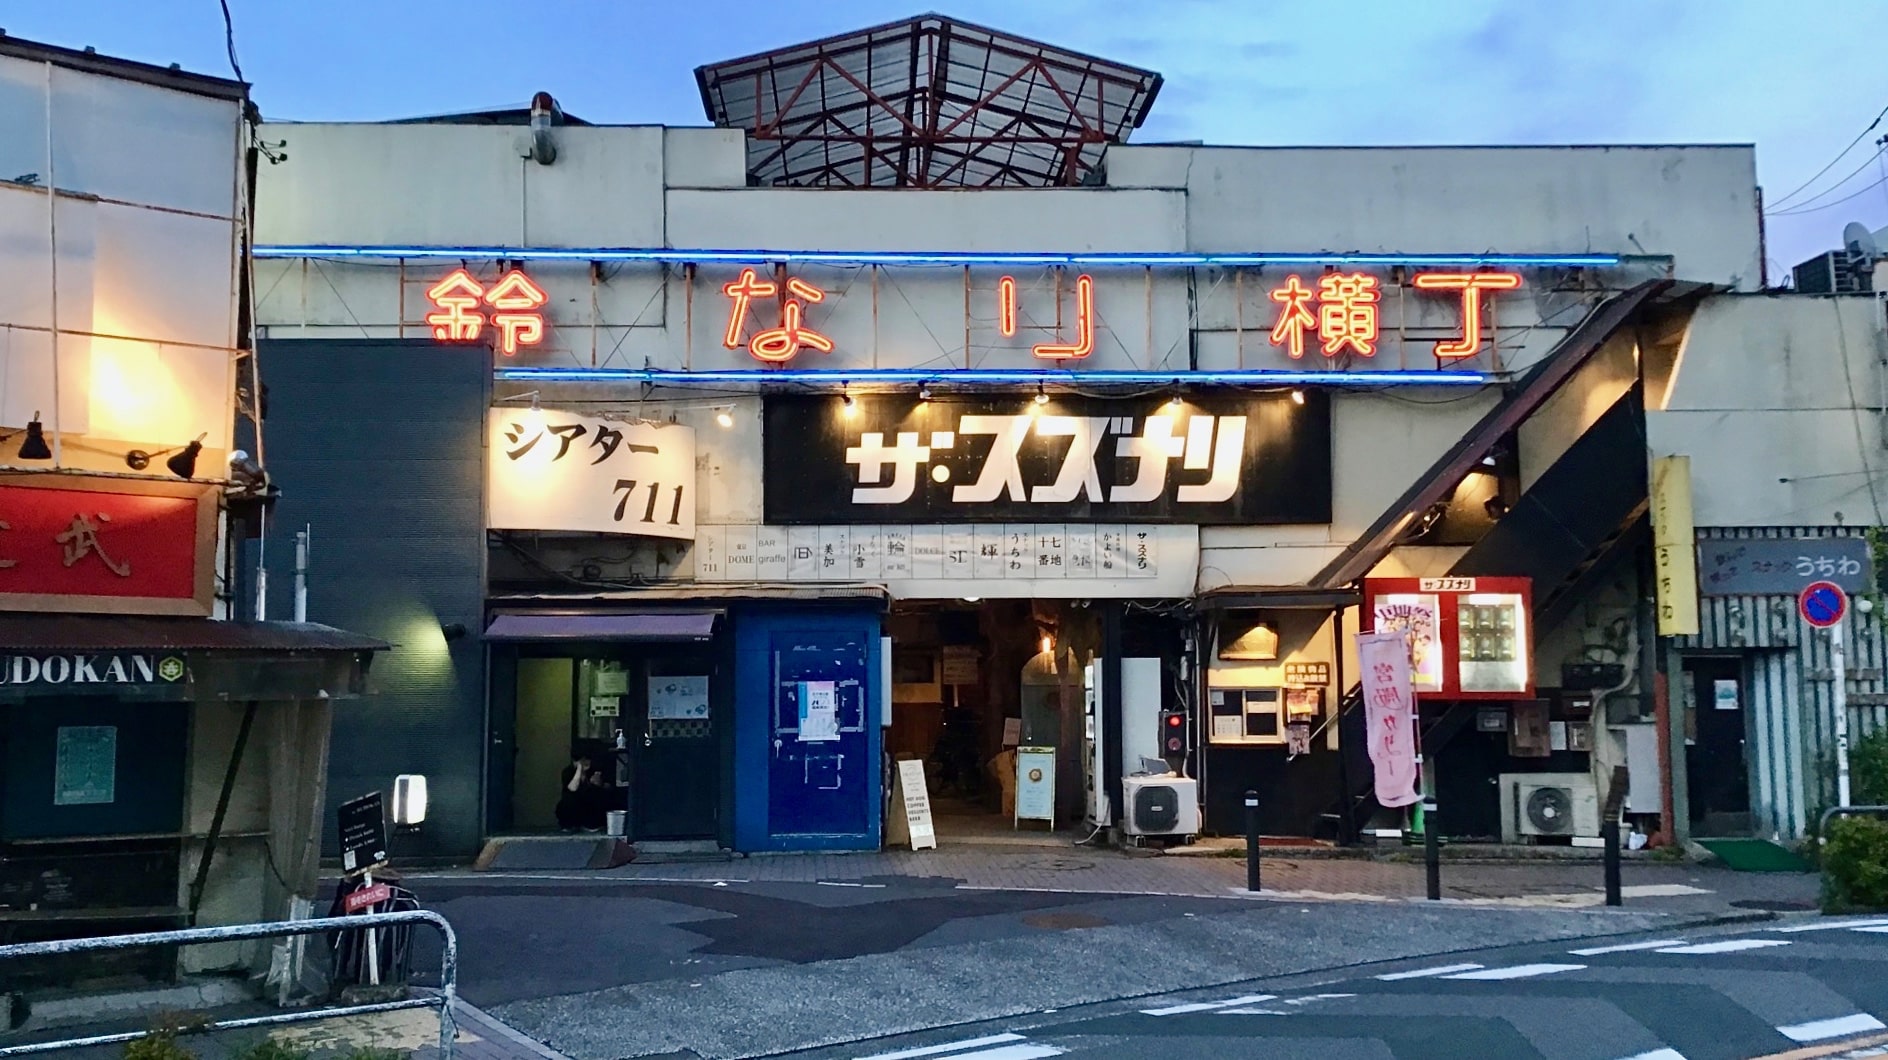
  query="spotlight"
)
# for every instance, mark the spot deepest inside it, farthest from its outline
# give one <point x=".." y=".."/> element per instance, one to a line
<point x="34" y="446"/>
<point x="1495" y="507"/>
<point x="924" y="392"/>
<point x="1297" y="397"/>
<point x="1174" y="401"/>
<point x="184" y="463"/>
<point x="245" y="472"/>
<point x="1042" y="396"/>
<point x="725" y="418"/>
<point x="851" y="407"/>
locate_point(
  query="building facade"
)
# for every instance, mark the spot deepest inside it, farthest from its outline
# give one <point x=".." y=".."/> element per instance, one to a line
<point x="753" y="458"/>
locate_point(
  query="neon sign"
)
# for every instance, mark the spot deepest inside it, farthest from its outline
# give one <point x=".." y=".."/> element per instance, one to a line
<point x="1347" y="304"/>
<point x="1084" y="343"/>
<point x="517" y="305"/>
<point x="774" y="345"/>
<point x="1471" y="284"/>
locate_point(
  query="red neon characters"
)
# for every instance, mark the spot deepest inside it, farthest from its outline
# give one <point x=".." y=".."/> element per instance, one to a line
<point x="519" y="304"/>
<point x="1084" y="343"/>
<point x="1295" y="318"/>
<point x="774" y="345"/>
<point x="1471" y="284"/>
<point x="1347" y="312"/>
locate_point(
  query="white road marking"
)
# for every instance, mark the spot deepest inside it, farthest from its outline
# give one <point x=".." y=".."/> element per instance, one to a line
<point x="1010" y="1052"/>
<point x="1422" y="973"/>
<point x="1818" y="1030"/>
<point x="1658" y="1054"/>
<point x="1879" y="929"/>
<point x="1627" y="947"/>
<point x="934" y="1050"/>
<point x="1834" y="925"/>
<point x="1727" y="946"/>
<point x="1207" y="1006"/>
<point x="1519" y="971"/>
<point x="842" y="883"/>
<point x="1659" y="890"/>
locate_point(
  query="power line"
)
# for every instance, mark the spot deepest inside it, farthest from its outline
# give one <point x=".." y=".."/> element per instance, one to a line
<point x="1833" y="188"/>
<point x="229" y="43"/>
<point x="1832" y="162"/>
<point x="1837" y="202"/>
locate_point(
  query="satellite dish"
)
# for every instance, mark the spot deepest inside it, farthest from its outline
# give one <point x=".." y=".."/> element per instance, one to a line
<point x="1859" y="241"/>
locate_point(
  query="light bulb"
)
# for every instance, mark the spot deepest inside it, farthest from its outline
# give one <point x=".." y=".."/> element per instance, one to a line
<point x="1297" y="397"/>
<point x="725" y="418"/>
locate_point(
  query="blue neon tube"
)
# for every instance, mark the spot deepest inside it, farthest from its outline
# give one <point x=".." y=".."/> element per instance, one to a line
<point x="837" y="377"/>
<point x="709" y="256"/>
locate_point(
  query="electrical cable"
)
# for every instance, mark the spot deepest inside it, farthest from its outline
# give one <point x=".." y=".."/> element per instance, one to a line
<point x="1832" y="162"/>
<point x="1831" y="189"/>
<point x="1871" y="185"/>
<point x="229" y="41"/>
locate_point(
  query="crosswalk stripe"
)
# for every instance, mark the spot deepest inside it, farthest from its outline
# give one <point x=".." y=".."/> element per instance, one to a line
<point x="1878" y="929"/>
<point x="1658" y="1054"/>
<point x="1627" y="947"/>
<point x="1422" y="973"/>
<point x="1727" y="946"/>
<point x="1010" y="1052"/>
<point x="1836" y="1027"/>
<point x="1834" y="925"/>
<point x="1207" y="1006"/>
<point x="934" y="1050"/>
<point x="1519" y="971"/>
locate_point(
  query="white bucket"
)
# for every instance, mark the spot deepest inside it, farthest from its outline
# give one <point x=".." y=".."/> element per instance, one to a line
<point x="617" y="823"/>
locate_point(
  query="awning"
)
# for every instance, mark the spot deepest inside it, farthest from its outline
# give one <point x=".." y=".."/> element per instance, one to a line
<point x="63" y="632"/>
<point x="590" y="625"/>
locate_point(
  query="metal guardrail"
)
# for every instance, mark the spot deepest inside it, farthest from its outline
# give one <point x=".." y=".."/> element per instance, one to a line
<point x="448" y="972"/>
<point x="1822" y="827"/>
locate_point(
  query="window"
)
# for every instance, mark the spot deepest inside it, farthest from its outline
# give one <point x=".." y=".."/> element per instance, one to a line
<point x="1245" y="715"/>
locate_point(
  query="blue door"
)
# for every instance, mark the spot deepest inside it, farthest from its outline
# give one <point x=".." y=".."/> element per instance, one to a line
<point x="808" y="739"/>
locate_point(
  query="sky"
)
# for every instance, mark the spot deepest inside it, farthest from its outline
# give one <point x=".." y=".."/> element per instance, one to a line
<point x="1801" y="79"/>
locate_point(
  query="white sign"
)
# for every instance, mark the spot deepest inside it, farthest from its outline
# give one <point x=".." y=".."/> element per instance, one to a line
<point x="1035" y="784"/>
<point x="1724" y="694"/>
<point x="819" y="712"/>
<point x="1075" y="560"/>
<point x="555" y="470"/>
<point x="678" y="698"/>
<point x="1446" y="585"/>
<point x="911" y="808"/>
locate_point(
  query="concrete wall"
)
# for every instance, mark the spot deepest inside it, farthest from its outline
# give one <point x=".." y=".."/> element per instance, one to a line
<point x="1778" y="401"/>
<point x="145" y="230"/>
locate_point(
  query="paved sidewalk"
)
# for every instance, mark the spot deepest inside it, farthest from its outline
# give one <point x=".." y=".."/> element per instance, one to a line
<point x="1562" y="883"/>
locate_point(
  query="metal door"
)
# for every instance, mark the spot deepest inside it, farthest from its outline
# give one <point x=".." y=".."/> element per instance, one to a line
<point x="820" y="769"/>
<point x="1717" y="770"/>
<point x="675" y="756"/>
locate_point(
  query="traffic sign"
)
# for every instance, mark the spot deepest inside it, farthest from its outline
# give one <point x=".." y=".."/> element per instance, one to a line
<point x="1822" y="604"/>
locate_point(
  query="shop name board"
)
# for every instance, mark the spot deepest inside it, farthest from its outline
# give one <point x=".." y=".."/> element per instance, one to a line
<point x="1779" y="566"/>
<point x="890" y="458"/>
<point x="459" y="302"/>
<point x="556" y="470"/>
<point x="103" y="672"/>
<point x="74" y="543"/>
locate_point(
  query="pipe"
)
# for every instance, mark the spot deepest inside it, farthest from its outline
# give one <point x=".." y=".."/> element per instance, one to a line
<point x="544" y="114"/>
<point x="301" y="573"/>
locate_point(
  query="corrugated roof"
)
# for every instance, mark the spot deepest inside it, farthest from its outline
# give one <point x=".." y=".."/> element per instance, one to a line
<point x="55" y="632"/>
<point x="926" y="102"/>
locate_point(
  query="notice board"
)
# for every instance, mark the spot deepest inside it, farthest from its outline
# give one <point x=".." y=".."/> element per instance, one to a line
<point x="910" y="820"/>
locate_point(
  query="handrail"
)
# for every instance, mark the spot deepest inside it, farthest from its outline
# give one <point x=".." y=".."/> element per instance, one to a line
<point x="1822" y="827"/>
<point x="444" y="1000"/>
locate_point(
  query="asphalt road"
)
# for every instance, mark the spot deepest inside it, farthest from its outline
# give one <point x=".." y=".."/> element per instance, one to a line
<point x="1801" y="987"/>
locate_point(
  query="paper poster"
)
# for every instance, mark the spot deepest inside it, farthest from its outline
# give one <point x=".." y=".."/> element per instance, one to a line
<point x="1012" y="731"/>
<point x="678" y="698"/>
<point x="612" y="683"/>
<point x="819" y="712"/>
<point x="85" y="765"/>
<point x="1724" y="695"/>
<point x="1418" y="617"/>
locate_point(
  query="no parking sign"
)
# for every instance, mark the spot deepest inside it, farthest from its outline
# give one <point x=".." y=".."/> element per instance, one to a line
<point x="1822" y="604"/>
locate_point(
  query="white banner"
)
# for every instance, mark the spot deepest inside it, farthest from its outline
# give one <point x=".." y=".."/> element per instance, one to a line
<point x="556" y="470"/>
<point x="1389" y="706"/>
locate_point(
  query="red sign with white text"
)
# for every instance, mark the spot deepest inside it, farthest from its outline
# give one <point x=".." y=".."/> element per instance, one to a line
<point x="365" y="897"/>
<point x="70" y="543"/>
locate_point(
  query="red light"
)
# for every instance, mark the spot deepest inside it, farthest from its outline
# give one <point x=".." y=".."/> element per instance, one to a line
<point x="1174" y="721"/>
<point x="1471" y="284"/>
<point x="1006" y="305"/>
<point x="1347" y="312"/>
<point x="1295" y="318"/>
<point x="1173" y="743"/>
<point x="1084" y="343"/>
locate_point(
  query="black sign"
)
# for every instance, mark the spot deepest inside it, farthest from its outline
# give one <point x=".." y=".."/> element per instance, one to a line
<point x="1778" y="566"/>
<point x="1225" y="459"/>
<point x="93" y="673"/>
<point x="363" y="834"/>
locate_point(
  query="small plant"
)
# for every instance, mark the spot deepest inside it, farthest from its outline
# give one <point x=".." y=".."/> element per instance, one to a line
<point x="1855" y="864"/>
<point x="1868" y="769"/>
<point x="271" y="1049"/>
<point x="370" y="1052"/>
<point x="159" y="1044"/>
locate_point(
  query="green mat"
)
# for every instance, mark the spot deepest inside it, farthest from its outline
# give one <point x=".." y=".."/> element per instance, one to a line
<point x="1754" y="855"/>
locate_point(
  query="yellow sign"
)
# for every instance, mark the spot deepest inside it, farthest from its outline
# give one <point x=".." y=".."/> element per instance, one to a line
<point x="1675" y="553"/>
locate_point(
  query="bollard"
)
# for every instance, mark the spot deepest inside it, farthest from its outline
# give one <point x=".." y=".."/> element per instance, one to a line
<point x="1610" y="832"/>
<point x="1252" y="841"/>
<point x="1432" y="849"/>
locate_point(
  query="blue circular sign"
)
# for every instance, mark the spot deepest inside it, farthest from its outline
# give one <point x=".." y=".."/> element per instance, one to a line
<point x="1822" y="604"/>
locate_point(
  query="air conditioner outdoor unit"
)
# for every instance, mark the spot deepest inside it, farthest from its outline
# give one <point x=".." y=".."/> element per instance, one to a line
<point x="1549" y="804"/>
<point x="1166" y="805"/>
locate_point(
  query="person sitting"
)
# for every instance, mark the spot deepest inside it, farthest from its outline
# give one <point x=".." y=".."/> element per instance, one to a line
<point x="585" y="797"/>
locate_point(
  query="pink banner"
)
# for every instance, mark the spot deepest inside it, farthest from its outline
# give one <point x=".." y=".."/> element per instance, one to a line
<point x="1388" y="702"/>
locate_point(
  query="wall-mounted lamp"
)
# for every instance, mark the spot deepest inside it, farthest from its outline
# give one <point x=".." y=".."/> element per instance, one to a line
<point x="245" y="472"/>
<point x="924" y="392"/>
<point x="1495" y="507"/>
<point x="1048" y="643"/>
<point x="33" y="447"/>
<point x="849" y="407"/>
<point x="1042" y="396"/>
<point x="409" y="800"/>
<point x="183" y="461"/>
<point x="452" y="630"/>
<point x="725" y="417"/>
<point x="1257" y="644"/>
<point x="1297" y="397"/>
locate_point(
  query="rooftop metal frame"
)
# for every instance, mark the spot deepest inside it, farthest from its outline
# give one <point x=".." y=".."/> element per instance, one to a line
<point x="927" y="102"/>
